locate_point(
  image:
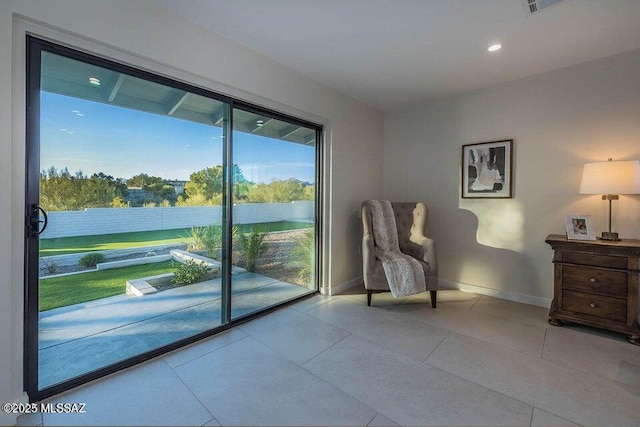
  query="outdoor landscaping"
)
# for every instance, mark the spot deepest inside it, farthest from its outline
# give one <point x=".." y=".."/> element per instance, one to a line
<point x="66" y="290"/>
<point x="261" y="248"/>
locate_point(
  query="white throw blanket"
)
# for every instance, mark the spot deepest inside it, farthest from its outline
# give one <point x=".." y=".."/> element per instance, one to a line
<point x="404" y="273"/>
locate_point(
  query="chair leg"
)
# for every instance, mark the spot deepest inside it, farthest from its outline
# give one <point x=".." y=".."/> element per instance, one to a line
<point x="433" y="298"/>
<point x="369" y="292"/>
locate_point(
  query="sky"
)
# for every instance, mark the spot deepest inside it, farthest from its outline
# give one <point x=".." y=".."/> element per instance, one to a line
<point x="95" y="137"/>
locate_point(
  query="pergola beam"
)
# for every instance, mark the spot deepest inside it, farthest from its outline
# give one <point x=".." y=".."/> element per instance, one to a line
<point x="178" y="100"/>
<point x="116" y="87"/>
<point x="288" y="131"/>
<point x="218" y="116"/>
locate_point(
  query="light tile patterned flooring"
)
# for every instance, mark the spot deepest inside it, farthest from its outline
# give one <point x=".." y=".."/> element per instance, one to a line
<point x="334" y="361"/>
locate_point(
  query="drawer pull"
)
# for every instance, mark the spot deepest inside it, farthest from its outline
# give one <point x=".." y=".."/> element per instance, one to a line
<point x="592" y="280"/>
<point x="592" y="305"/>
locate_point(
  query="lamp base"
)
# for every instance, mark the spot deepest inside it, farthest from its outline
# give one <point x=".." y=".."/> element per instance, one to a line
<point x="608" y="235"/>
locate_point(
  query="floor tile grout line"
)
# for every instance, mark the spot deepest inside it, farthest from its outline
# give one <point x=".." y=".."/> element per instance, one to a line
<point x="426" y="364"/>
<point x="579" y="370"/>
<point x="437" y="345"/>
<point x="468" y="336"/>
<point x="527" y="402"/>
<point x="192" y="392"/>
<point x="544" y="343"/>
<point x="555" y="415"/>
<point x="316" y="355"/>
<point x="195" y="396"/>
<point x="205" y="354"/>
<point x="475" y="302"/>
<point x="376" y="410"/>
<point x="478" y="384"/>
<point x="382" y="345"/>
<point x="212" y="419"/>
<point x="314" y="306"/>
<point x="372" y="418"/>
<point x="312" y="319"/>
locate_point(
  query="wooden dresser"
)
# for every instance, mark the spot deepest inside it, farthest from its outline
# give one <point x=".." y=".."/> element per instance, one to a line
<point x="596" y="284"/>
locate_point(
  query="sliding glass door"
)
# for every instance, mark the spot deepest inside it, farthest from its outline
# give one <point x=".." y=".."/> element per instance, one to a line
<point x="274" y="215"/>
<point x="157" y="213"/>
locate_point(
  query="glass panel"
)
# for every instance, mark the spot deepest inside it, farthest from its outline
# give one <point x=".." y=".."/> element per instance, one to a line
<point x="274" y="181"/>
<point x="132" y="183"/>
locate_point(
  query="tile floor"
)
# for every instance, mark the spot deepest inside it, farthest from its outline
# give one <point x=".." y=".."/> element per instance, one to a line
<point x="475" y="360"/>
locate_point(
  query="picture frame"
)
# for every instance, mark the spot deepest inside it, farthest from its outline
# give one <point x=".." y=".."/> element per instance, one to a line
<point x="487" y="170"/>
<point x="579" y="227"/>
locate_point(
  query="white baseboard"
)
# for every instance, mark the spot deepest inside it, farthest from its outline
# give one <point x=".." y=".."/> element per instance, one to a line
<point x="11" y="419"/>
<point x="497" y="293"/>
<point x="336" y="289"/>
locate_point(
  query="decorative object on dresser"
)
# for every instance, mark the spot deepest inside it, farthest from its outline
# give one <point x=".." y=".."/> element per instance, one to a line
<point x="487" y="170"/>
<point x="611" y="179"/>
<point x="596" y="284"/>
<point x="579" y="227"/>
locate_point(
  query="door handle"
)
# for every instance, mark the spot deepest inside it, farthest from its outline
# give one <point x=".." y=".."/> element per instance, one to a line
<point x="34" y="220"/>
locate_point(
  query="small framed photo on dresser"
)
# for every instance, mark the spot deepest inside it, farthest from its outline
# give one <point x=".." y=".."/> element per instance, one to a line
<point x="579" y="227"/>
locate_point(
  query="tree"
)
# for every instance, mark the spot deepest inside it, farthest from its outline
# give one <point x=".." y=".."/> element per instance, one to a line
<point x="61" y="191"/>
<point x="205" y="187"/>
<point x="143" y="179"/>
<point x="118" y="203"/>
<point x="279" y="192"/>
<point x="205" y="183"/>
<point x="153" y="189"/>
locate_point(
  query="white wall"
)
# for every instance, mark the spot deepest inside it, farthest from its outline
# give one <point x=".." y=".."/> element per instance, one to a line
<point x="559" y="121"/>
<point x="137" y="32"/>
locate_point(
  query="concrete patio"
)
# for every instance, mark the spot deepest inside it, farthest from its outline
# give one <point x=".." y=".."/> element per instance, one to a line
<point x="77" y="339"/>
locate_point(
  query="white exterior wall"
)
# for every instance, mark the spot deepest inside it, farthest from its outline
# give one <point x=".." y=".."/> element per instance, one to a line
<point x="91" y="222"/>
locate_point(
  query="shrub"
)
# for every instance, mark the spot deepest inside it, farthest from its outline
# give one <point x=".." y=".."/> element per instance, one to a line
<point x="212" y="239"/>
<point x="51" y="266"/>
<point x="303" y="255"/>
<point x="252" y="246"/>
<point x="196" y="237"/>
<point x="91" y="260"/>
<point x="190" y="272"/>
<point x="206" y="238"/>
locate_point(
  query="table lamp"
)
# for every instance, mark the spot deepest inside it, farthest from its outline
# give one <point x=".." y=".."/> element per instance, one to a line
<point x="611" y="179"/>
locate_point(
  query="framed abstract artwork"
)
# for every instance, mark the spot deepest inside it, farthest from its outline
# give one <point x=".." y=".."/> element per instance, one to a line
<point x="487" y="170"/>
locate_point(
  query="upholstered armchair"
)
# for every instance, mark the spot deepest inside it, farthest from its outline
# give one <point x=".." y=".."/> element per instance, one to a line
<point x="411" y="221"/>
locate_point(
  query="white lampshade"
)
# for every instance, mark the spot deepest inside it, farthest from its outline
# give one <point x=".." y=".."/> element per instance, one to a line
<point x="621" y="177"/>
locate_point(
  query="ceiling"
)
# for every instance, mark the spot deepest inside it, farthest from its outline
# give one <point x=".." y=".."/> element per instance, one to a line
<point x="396" y="53"/>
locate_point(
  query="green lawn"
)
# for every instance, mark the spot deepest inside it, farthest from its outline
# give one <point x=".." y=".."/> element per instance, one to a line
<point x="73" y="289"/>
<point x="103" y="242"/>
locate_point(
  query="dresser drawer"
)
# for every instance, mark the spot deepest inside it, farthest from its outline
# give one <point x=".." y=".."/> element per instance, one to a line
<point x="595" y="305"/>
<point x="606" y="261"/>
<point x="605" y="282"/>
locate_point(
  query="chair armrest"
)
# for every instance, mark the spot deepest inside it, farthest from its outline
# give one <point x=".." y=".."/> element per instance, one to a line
<point x="368" y="255"/>
<point x="428" y="247"/>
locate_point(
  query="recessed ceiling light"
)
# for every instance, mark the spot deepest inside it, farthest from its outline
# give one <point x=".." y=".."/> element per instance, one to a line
<point x="94" y="81"/>
<point x="494" y="47"/>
